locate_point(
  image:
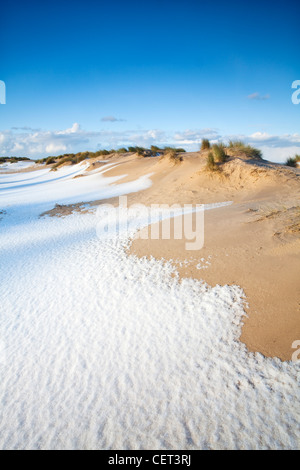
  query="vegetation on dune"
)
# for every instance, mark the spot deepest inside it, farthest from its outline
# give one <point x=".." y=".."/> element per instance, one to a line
<point x="173" y="149"/>
<point x="219" y="153"/>
<point x="240" y="146"/>
<point x="102" y="153"/>
<point x="205" y="144"/>
<point x="73" y="158"/>
<point x="292" y="161"/>
<point x="173" y="155"/>
<point x="215" y="157"/>
<point x="13" y="159"/>
<point x="210" y="162"/>
<point x="154" y="149"/>
<point x="50" y="160"/>
<point x="138" y="150"/>
<point x="235" y="146"/>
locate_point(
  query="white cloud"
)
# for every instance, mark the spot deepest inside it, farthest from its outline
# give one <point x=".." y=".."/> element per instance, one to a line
<point x="111" y="119"/>
<point x="38" y="143"/>
<point x="285" y="140"/>
<point x="25" y="128"/>
<point x="258" y="96"/>
<point x="195" y="136"/>
<point x="55" y="148"/>
<point x="260" y="136"/>
<point x="35" y="143"/>
<point x="146" y="138"/>
<point x="279" y="154"/>
<point x="41" y="143"/>
<point x="276" y="148"/>
<point x="73" y="130"/>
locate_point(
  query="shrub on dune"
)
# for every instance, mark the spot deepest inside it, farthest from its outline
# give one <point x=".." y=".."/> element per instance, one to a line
<point x="235" y="144"/>
<point x="138" y="150"/>
<point x="72" y="159"/>
<point x="205" y="144"/>
<point x="80" y="158"/>
<point x="60" y="162"/>
<point x="172" y="155"/>
<point x="246" y="149"/>
<point x="210" y="162"/>
<point x="292" y="161"/>
<point x="219" y="153"/>
<point x="102" y="153"/>
<point x="154" y="149"/>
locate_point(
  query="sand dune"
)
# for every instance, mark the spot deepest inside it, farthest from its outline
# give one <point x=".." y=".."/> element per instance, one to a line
<point x="255" y="243"/>
<point x="101" y="350"/>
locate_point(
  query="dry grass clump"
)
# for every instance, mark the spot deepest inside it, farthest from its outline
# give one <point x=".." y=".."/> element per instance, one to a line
<point x="237" y="146"/>
<point x="219" y="153"/>
<point x="205" y="144"/>
<point x="210" y="162"/>
<point x="13" y="159"/>
<point x="292" y="161"/>
<point x="172" y="155"/>
<point x="72" y="159"/>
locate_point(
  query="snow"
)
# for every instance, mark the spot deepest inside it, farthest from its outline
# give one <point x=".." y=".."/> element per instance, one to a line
<point x="99" y="350"/>
<point x="21" y="165"/>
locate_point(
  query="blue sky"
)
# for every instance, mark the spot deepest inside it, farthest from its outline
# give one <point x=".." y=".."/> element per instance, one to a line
<point x="88" y="75"/>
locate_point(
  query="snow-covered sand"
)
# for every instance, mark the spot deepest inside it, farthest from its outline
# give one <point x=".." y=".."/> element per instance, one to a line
<point x="101" y="350"/>
<point x="21" y="165"/>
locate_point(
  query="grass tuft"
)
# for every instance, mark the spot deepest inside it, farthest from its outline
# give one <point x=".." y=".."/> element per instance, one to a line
<point x="292" y="161"/>
<point x="219" y="153"/>
<point x="205" y="144"/>
<point x="210" y="162"/>
<point x="248" y="150"/>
